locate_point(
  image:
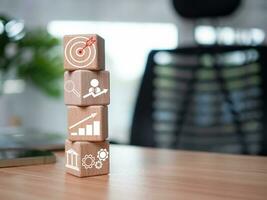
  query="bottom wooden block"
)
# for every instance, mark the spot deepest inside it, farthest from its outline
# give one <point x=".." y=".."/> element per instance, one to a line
<point x="87" y="158"/>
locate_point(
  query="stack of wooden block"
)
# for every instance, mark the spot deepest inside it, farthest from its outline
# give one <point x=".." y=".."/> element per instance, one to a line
<point x="86" y="92"/>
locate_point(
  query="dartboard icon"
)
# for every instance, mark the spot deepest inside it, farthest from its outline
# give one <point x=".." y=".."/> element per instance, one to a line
<point x="78" y="54"/>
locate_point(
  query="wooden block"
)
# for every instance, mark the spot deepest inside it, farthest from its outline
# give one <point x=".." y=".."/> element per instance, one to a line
<point x="87" y="123"/>
<point x="87" y="158"/>
<point x="84" y="52"/>
<point x="85" y="88"/>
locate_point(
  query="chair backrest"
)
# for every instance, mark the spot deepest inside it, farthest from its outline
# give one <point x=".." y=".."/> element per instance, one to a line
<point x="194" y="9"/>
<point x="203" y="98"/>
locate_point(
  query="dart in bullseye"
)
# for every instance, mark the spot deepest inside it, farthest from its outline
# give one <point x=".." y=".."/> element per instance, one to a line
<point x="81" y="52"/>
<point x="88" y="43"/>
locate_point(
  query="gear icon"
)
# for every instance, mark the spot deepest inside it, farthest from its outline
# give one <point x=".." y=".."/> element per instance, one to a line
<point x="88" y="161"/>
<point x="102" y="154"/>
<point x="98" y="164"/>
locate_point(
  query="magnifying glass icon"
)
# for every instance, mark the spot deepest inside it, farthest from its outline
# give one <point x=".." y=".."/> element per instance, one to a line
<point x="69" y="86"/>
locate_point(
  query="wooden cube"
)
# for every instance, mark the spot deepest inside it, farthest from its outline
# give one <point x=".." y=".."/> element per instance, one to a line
<point x="87" y="158"/>
<point x="86" y="88"/>
<point x="84" y="52"/>
<point x="87" y="123"/>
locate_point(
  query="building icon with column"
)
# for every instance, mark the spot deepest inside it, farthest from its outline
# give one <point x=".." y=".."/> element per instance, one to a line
<point x="72" y="159"/>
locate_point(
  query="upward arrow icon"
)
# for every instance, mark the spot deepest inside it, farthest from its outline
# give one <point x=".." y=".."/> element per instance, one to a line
<point x="83" y="120"/>
<point x="95" y="94"/>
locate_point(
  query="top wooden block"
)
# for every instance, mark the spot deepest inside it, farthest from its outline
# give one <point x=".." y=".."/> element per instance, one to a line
<point x="84" y="52"/>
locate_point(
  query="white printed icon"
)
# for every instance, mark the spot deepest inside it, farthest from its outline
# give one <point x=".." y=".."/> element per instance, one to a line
<point x="80" y="51"/>
<point x="72" y="159"/>
<point x="89" y="160"/>
<point x="98" y="164"/>
<point x="102" y="154"/>
<point x="69" y="87"/>
<point x="89" y="129"/>
<point x="94" y="90"/>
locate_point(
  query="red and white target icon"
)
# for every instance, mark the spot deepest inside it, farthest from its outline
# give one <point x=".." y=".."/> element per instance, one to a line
<point x="80" y="51"/>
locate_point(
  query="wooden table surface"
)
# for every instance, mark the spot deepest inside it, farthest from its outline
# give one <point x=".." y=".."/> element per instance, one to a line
<point x="143" y="173"/>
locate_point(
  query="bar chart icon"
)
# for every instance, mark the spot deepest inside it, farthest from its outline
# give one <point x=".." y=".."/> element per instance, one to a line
<point x="92" y="129"/>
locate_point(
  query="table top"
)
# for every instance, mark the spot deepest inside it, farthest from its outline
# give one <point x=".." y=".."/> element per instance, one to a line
<point x="144" y="173"/>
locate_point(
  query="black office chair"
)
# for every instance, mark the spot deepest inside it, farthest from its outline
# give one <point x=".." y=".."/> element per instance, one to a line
<point x="203" y="98"/>
<point x="208" y="98"/>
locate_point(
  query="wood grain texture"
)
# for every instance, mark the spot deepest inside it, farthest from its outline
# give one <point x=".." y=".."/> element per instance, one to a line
<point x="88" y="161"/>
<point x="92" y="120"/>
<point x="89" y="57"/>
<point x="81" y="80"/>
<point x="143" y="173"/>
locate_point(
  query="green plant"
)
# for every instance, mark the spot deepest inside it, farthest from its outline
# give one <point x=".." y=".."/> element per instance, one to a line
<point x="32" y="55"/>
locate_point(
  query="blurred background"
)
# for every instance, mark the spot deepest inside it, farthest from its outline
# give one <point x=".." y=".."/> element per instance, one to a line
<point x="184" y="74"/>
